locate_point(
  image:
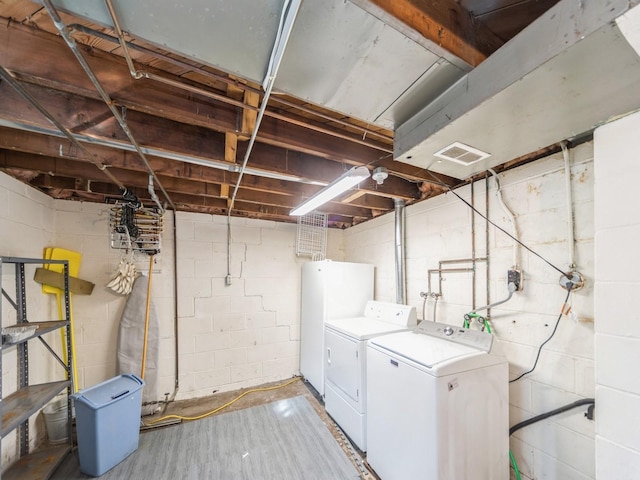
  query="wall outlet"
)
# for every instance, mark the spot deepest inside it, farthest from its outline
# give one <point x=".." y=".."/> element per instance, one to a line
<point x="515" y="277"/>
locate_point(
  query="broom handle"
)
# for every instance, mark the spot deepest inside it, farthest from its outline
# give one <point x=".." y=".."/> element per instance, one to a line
<point x="146" y="320"/>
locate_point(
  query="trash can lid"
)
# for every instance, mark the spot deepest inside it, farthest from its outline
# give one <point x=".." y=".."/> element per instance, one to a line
<point x="109" y="391"/>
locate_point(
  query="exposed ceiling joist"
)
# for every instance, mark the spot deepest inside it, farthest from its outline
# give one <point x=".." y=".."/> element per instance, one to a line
<point x="353" y="71"/>
<point x="444" y="22"/>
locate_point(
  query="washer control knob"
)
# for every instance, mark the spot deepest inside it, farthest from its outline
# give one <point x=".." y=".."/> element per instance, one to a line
<point x="448" y="331"/>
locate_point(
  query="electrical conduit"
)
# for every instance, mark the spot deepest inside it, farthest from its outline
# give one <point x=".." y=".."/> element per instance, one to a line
<point x="64" y="33"/>
<point x="569" y="194"/>
<point x="289" y="13"/>
<point x="11" y="80"/>
<point x="510" y="216"/>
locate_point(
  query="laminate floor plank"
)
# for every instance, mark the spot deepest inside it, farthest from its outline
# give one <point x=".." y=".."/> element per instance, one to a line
<point x="283" y="440"/>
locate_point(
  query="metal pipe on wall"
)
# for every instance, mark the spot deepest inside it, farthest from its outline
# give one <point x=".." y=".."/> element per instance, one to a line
<point x="11" y="80"/>
<point x="473" y="247"/>
<point x="569" y="196"/>
<point x="399" y="249"/>
<point x="221" y="78"/>
<point x="62" y="29"/>
<point x="287" y="19"/>
<point x="486" y="240"/>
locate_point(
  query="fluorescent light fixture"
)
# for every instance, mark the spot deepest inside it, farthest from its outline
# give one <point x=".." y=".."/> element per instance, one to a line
<point x="343" y="183"/>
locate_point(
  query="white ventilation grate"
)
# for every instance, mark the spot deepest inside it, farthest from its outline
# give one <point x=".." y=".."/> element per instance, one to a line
<point x="312" y="236"/>
<point x="463" y="154"/>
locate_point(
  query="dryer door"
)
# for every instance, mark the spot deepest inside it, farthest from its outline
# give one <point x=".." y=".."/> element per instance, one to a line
<point x="342" y="363"/>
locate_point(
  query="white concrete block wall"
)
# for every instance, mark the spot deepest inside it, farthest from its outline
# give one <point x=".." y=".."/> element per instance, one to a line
<point x="229" y="336"/>
<point x="84" y="227"/>
<point x="26" y="227"/>
<point x="246" y="333"/>
<point x="440" y="229"/>
<point x="617" y="344"/>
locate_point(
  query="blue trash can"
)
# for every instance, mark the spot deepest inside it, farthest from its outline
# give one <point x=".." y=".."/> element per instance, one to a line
<point x="108" y="422"/>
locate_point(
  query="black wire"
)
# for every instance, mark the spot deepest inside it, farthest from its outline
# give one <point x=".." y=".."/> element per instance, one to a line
<point x="542" y="416"/>
<point x="545" y="342"/>
<point x="564" y="274"/>
<point x="511" y="236"/>
<point x="497" y="226"/>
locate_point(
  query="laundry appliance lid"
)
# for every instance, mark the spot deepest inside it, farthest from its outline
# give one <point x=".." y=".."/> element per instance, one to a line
<point x="363" y="328"/>
<point x="434" y="355"/>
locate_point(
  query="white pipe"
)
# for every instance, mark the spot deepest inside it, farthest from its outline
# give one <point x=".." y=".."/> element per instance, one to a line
<point x="569" y="194"/>
<point x="152" y="192"/>
<point x="511" y="217"/>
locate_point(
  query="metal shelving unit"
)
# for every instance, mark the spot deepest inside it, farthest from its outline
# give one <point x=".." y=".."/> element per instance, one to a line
<point x="27" y="400"/>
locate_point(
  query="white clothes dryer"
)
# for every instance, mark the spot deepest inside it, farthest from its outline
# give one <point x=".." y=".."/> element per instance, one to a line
<point x="437" y="401"/>
<point x="345" y="362"/>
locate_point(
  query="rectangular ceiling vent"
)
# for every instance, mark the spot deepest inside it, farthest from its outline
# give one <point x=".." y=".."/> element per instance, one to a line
<point x="462" y="154"/>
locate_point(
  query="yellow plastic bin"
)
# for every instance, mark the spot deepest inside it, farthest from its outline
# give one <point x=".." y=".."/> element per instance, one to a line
<point x="108" y="422"/>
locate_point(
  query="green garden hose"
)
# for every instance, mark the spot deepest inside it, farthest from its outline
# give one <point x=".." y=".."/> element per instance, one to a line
<point x="514" y="464"/>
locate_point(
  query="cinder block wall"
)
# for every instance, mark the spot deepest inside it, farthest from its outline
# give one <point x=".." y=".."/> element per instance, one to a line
<point x="617" y="262"/>
<point x="242" y="334"/>
<point x="230" y="337"/>
<point x="26" y="227"/>
<point x="441" y="229"/>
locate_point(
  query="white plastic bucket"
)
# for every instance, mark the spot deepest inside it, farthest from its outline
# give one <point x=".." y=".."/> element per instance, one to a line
<point x="55" y="421"/>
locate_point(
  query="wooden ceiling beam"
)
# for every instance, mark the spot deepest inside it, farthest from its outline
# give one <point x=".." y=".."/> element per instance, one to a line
<point x="92" y="118"/>
<point x="189" y="182"/>
<point x="180" y="124"/>
<point x="56" y="167"/>
<point x="289" y="203"/>
<point x="203" y="117"/>
<point x="68" y="188"/>
<point x="290" y="162"/>
<point x="51" y="63"/>
<point x="54" y="173"/>
<point x="373" y="202"/>
<point x="443" y="22"/>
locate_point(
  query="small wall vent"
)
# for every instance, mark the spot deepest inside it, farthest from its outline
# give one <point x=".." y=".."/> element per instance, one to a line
<point x="463" y="154"/>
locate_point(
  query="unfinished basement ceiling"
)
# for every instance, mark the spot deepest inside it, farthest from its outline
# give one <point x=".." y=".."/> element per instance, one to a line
<point x="339" y="56"/>
<point x="352" y="73"/>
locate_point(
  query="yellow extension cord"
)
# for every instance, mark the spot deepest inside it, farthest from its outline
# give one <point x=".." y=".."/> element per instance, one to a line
<point x="212" y="412"/>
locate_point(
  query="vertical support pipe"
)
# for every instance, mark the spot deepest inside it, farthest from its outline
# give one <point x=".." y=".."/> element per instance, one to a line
<point x="486" y="239"/>
<point x="399" y="249"/>
<point x="473" y="246"/>
<point x="175" y="306"/>
<point x="569" y="195"/>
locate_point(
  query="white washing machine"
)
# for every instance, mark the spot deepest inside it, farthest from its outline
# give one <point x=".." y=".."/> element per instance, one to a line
<point x="345" y="362"/>
<point x="437" y="405"/>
